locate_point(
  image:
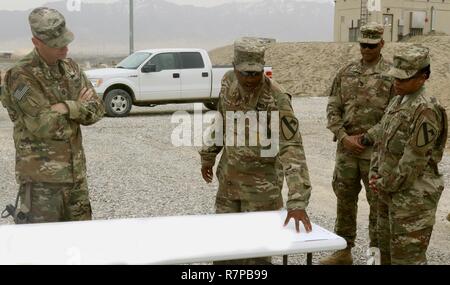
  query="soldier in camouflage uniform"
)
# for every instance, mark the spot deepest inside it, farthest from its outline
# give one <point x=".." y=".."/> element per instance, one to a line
<point x="358" y="97"/>
<point x="404" y="166"/>
<point x="247" y="180"/>
<point x="48" y="97"/>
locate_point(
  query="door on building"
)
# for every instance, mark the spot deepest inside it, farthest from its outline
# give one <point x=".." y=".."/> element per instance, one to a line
<point x="388" y="19"/>
<point x="353" y="34"/>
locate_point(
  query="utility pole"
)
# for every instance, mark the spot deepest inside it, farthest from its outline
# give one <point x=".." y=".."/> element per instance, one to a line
<point x="131" y="27"/>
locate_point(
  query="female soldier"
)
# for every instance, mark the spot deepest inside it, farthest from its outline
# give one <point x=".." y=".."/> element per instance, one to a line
<point x="404" y="167"/>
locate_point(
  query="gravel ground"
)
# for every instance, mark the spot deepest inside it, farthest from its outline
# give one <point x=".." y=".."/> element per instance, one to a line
<point x="134" y="171"/>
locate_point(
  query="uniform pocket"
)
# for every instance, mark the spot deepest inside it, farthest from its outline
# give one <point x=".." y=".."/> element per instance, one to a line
<point x="396" y="137"/>
<point x="45" y="162"/>
<point x="432" y="191"/>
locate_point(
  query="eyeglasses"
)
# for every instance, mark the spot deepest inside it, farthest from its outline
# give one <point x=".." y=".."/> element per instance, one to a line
<point x="369" y="46"/>
<point x="250" y="73"/>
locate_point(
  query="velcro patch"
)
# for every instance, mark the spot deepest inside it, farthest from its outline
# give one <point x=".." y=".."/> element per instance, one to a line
<point x="20" y="92"/>
<point x="427" y="133"/>
<point x="289" y="127"/>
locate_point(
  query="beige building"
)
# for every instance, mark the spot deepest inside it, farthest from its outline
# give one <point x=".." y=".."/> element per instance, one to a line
<point x="401" y="18"/>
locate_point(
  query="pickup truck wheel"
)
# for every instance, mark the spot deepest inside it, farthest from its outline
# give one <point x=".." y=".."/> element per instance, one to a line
<point x="118" y="103"/>
<point x="211" y="105"/>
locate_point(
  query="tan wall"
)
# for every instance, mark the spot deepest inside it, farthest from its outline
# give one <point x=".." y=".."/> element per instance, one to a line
<point x="401" y="11"/>
<point x="442" y="23"/>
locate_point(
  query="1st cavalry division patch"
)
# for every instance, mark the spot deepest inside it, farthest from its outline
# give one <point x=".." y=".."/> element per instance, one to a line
<point x="426" y="134"/>
<point x="289" y="127"/>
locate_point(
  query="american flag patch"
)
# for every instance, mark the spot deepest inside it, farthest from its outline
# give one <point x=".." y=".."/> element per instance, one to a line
<point x="20" y="92"/>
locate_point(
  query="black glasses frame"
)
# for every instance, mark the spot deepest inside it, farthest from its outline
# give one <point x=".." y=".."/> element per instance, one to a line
<point x="369" y="46"/>
<point x="250" y="73"/>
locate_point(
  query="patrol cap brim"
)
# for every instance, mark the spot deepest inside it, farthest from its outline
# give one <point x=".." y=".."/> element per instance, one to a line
<point x="63" y="40"/>
<point x="250" y="66"/>
<point x="369" y="41"/>
<point x="400" y="73"/>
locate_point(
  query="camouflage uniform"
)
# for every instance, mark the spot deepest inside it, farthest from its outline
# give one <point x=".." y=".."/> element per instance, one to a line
<point x="50" y="160"/>
<point x="356" y="103"/>
<point x="248" y="181"/>
<point x="406" y="159"/>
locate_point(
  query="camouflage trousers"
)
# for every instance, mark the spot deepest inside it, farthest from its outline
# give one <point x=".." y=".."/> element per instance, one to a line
<point x="227" y="202"/>
<point x="58" y="202"/>
<point x="348" y="173"/>
<point x="406" y="220"/>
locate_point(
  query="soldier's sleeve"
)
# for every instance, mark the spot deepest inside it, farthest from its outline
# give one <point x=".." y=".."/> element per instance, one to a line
<point x="6" y="102"/>
<point x="209" y="152"/>
<point x="417" y="152"/>
<point x="34" y="109"/>
<point x="292" y="157"/>
<point x="373" y="169"/>
<point x="375" y="132"/>
<point x="86" y="112"/>
<point x="335" y="110"/>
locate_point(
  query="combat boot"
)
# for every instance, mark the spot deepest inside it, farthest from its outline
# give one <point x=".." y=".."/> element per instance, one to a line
<point x="340" y="257"/>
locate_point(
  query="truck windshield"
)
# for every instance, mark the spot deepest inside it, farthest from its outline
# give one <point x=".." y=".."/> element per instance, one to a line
<point x="134" y="60"/>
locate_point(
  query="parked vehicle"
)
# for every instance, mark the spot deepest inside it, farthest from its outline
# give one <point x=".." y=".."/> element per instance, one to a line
<point x="160" y="76"/>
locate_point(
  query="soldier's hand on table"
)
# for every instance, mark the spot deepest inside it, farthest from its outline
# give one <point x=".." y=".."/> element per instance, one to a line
<point x="86" y="94"/>
<point x="373" y="183"/>
<point x="207" y="173"/>
<point x="299" y="215"/>
<point x="352" y="143"/>
<point x="60" y="108"/>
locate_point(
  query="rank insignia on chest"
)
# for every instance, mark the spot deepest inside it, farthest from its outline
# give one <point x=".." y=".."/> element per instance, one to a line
<point x="21" y="91"/>
<point x="426" y="134"/>
<point x="289" y="127"/>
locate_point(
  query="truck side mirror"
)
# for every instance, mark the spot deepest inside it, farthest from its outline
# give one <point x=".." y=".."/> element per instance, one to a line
<point x="148" y="68"/>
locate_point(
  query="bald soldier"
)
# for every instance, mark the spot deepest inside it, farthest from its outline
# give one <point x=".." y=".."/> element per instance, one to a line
<point x="359" y="95"/>
<point x="48" y="97"/>
<point x="404" y="167"/>
<point x="249" y="180"/>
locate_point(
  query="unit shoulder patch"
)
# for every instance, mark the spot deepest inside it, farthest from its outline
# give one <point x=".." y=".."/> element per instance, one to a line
<point x="289" y="126"/>
<point x="426" y="134"/>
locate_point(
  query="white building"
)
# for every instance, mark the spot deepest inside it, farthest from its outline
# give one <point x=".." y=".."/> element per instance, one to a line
<point x="401" y="18"/>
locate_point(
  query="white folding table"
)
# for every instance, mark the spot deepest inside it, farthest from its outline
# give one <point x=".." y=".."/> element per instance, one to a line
<point x="162" y="240"/>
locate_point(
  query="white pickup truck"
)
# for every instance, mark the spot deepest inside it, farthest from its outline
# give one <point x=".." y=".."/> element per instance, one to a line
<point x="159" y="76"/>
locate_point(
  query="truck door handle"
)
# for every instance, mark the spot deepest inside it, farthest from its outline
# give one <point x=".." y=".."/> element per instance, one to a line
<point x="176" y="75"/>
<point x="205" y="74"/>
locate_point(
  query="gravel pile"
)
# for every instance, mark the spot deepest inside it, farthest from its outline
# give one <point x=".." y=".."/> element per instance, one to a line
<point x="135" y="171"/>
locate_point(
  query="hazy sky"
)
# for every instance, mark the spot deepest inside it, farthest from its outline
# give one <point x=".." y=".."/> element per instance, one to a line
<point x="27" y="4"/>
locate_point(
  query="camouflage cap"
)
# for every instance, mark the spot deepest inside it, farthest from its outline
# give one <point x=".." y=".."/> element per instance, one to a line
<point x="249" y="54"/>
<point x="408" y="61"/>
<point x="372" y="33"/>
<point x="49" y="26"/>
